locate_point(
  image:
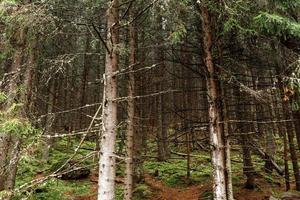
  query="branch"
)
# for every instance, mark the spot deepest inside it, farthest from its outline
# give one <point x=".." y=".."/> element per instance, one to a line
<point x="101" y="39"/>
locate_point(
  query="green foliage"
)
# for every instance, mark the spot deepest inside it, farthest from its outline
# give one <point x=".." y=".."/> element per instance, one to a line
<point x="174" y="173"/>
<point x="119" y="192"/>
<point x="178" y="35"/>
<point x="292" y="83"/>
<point x="30" y="166"/>
<point x="14" y="109"/>
<point x="58" y="189"/>
<point x="276" y="25"/>
<point x="3" y="97"/>
<point x="171" y="173"/>
<point x="11" y="122"/>
<point x="16" y="126"/>
<point x="233" y="24"/>
<point x="142" y="191"/>
<point x="286" y="4"/>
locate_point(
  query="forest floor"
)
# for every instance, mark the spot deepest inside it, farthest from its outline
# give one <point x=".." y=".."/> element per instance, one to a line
<point x="163" y="180"/>
<point x="160" y="191"/>
<point x="163" y="192"/>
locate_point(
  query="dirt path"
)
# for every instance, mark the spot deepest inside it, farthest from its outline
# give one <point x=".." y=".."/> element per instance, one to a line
<point x="167" y="193"/>
<point x="194" y="192"/>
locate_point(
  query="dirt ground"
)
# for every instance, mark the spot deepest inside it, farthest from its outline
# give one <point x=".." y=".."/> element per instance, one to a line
<point x="194" y="192"/>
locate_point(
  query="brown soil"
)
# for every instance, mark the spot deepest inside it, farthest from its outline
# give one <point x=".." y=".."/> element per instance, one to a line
<point x="193" y="192"/>
<point x="167" y="193"/>
<point x="262" y="191"/>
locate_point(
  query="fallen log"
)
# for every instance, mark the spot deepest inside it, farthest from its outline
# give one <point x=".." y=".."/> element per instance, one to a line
<point x="264" y="155"/>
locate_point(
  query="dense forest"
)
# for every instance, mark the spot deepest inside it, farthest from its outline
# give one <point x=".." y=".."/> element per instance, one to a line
<point x="157" y="99"/>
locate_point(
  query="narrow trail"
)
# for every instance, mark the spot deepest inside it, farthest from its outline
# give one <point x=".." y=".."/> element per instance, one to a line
<point x="166" y="193"/>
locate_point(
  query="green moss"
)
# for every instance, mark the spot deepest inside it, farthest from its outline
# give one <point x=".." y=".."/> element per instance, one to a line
<point x="174" y="172"/>
<point x="119" y="192"/>
<point x="142" y="191"/>
<point x="58" y="189"/>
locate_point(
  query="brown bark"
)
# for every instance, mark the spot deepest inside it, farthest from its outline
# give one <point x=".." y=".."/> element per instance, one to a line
<point x="9" y="143"/>
<point x="30" y="76"/>
<point x="248" y="168"/>
<point x="296" y="115"/>
<point x="162" y="133"/>
<point x="286" y="164"/>
<point x="290" y="135"/>
<point x="49" y="121"/>
<point x="85" y="75"/>
<point x="131" y="124"/>
<point x="216" y="130"/>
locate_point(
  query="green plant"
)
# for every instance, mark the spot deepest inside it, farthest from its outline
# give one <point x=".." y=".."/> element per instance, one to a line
<point x="142" y="191"/>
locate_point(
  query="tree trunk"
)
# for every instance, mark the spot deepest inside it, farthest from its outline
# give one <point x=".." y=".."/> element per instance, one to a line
<point x="49" y="121"/>
<point x="245" y="141"/>
<point x="296" y="116"/>
<point x="29" y="79"/>
<point x="131" y="125"/>
<point x="286" y="164"/>
<point x="290" y="136"/>
<point x="226" y="124"/>
<point x="10" y="144"/>
<point x="248" y="168"/>
<point x="217" y="139"/>
<point x="85" y="75"/>
<point x="162" y="133"/>
<point x="107" y="161"/>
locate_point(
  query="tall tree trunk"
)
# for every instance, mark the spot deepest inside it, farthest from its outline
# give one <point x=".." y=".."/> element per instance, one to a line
<point x="85" y="75"/>
<point x="248" y="168"/>
<point x="286" y="163"/>
<point x="162" y="132"/>
<point x="226" y="124"/>
<point x="131" y="125"/>
<point x="49" y="121"/>
<point x="296" y="115"/>
<point x="217" y="138"/>
<point x="29" y="79"/>
<point x="9" y="143"/>
<point x="107" y="161"/>
<point x="290" y="136"/>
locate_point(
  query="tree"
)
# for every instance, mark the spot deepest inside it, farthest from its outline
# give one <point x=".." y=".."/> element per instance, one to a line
<point x="107" y="161"/>
<point x="131" y="135"/>
<point x="216" y="131"/>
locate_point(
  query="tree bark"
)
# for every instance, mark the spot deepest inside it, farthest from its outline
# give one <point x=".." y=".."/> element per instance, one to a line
<point x="286" y="164"/>
<point x="296" y="115"/>
<point x="9" y="143"/>
<point x="290" y="136"/>
<point x="49" y="122"/>
<point x="107" y="161"/>
<point x="85" y="75"/>
<point x="131" y="125"/>
<point x="217" y="138"/>
<point x="162" y="133"/>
